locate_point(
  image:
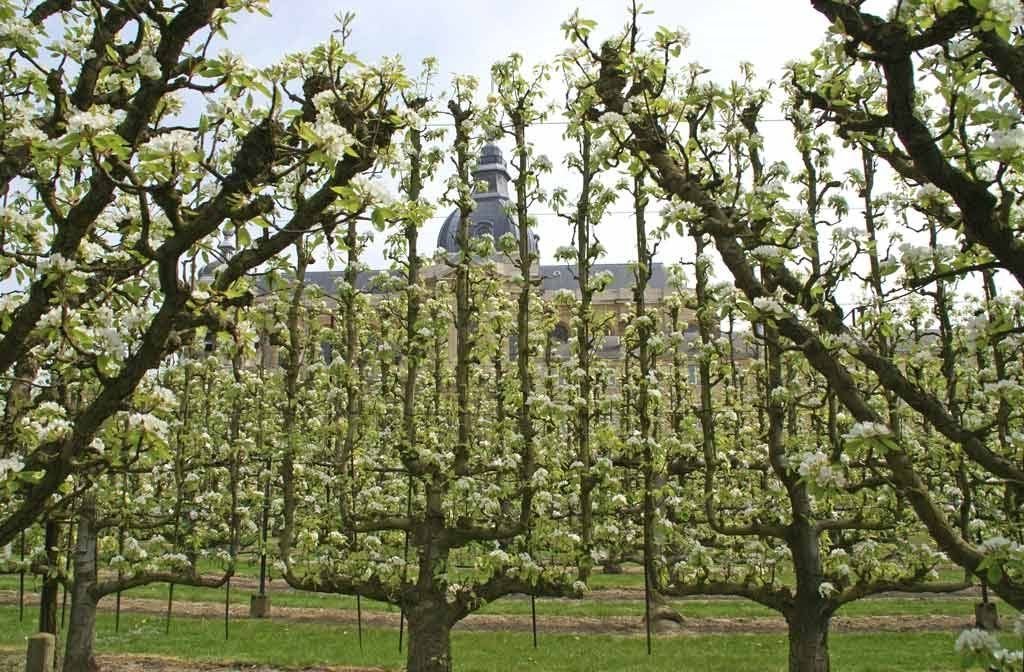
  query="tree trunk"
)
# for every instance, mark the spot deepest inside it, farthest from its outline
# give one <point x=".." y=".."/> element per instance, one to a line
<point x="808" y="642"/>
<point x="611" y="567"/>
<point x="78" y="653"/>
<point x="48" y="595"/>
<point x="430" y="648"/>
<point x="664" y="617"/>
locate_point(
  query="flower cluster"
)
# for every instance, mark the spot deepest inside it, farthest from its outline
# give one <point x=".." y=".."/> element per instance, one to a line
<point x="172" y="143"/>
<point x="334" y="139"/>
<point x="94" y="121"/>
<point x="867" y="430"/>
<point x="1008" y="143"/>
<point x="818" y="469"/>
<point x="10" y="465"/>
<point x="146" y="63"/>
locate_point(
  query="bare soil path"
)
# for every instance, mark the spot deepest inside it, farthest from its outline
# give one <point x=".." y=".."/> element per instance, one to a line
<point x="609" y="625"/>
<point x="12" y="660"/>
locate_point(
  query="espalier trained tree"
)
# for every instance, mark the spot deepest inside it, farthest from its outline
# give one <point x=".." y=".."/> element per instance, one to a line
<point x="439" y="508"/>
<point x="897" y="411"/>
<point x="767" y="507"/>
<point x="148" y="519"/>
<point x="587" y="328"/>
<point x="127" y="147"/>
<point x="156" y="510"/>
<point x="420" y="438"/>
<point x="934" y="91"/>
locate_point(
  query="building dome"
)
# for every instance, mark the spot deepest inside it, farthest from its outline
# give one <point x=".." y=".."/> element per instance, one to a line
<point x="490" y="216"/>
<point x="225" y="251"/>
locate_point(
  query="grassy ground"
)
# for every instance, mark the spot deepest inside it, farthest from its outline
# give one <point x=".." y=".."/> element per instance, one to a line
<point x="297" y="645"/>
<point x="293" y="644"/>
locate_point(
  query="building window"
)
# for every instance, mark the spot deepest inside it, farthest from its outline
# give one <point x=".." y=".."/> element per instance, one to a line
<point x="691" y="374"/>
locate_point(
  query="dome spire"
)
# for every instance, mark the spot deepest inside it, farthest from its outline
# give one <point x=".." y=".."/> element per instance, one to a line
<point x="490" y="217"/>
<point x="492" y="170"/>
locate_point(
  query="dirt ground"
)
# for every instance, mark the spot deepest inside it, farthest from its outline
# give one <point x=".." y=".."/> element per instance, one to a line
<point x="618" y="625"/>
<point x="14" y="661"/>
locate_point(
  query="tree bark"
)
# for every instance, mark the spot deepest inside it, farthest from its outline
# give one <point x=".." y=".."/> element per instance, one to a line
<point x="664" y="617"/>
<point x="808" y="641"/>
<point x="78" y="653"/>
<point x="430" y="648"/>
<point x="48" y="594"/>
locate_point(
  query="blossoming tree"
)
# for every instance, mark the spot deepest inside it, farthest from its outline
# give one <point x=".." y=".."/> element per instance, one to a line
<point x="124" y="156"/>
<point x="439" y="507"/>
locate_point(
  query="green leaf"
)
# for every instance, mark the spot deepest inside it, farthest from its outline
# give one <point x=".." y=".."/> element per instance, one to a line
<point x="379" y="218"/>
<point x="30" y="476"/>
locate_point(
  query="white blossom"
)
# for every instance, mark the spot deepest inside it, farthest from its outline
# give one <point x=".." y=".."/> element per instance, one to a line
<point x="171" y="143"/>
<point x="1009" y="11"/>
<point x="55" y="263"/>
<point x="332" y="138"/>
<point x="682" y="211"/>
<point x="411" y="118"/>
<point x="612" y="118"/>
<point x="10" y="465"/>
<point x="817" y="468"/>
<point x="95" y="120"/>
<point x="148" y="423"/>
<point x="867" y="430"/>
<point x="371" y="190"/>
<point x="148" y="66"/>
<point x="976" y="641"/>
<point x="17" y="29"/>
<point x="10" y="302"/>
<point x="1006" y="143"/>
<point x="995" y="544"/>
<point x="109" y="341"/>
<point x="26" y="133"/>
<point x="769" y="306"/>
<point x="767" y="252"/>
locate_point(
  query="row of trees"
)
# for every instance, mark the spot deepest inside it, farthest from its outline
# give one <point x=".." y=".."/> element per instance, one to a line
<point x="810" y="443"/>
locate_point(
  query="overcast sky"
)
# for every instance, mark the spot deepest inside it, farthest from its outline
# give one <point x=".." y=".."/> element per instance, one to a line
<point x="467" y="37"/>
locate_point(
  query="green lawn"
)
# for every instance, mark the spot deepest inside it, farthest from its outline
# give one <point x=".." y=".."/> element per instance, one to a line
<point x="297" y="645"/>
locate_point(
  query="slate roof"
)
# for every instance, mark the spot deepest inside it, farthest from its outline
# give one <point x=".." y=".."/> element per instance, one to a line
<point x="327" y="280"/>
<point x="553" y="278"/>
<point x="563" y="276"/>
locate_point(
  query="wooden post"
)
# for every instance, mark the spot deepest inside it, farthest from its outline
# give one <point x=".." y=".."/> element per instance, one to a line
<point x="21" y="582"/>
<point x="41" y="647"/>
